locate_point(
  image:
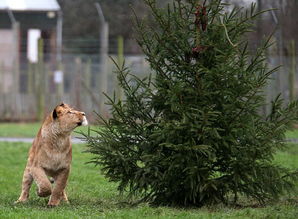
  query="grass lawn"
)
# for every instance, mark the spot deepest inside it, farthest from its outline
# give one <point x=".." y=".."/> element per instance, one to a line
<point x="92" y="196"/>
<point x="292" y="134"/>
<point x="27" y="130"/>
<point x="30" y="130"/>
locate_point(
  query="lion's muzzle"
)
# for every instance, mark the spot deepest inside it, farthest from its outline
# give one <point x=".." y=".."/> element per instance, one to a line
<point x="84" y="121"/>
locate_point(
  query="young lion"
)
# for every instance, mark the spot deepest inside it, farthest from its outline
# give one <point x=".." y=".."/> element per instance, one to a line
<point x="51" y="154"/>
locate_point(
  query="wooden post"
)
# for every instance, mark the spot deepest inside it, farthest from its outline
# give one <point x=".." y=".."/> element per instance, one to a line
<point x="16" y="69"/>
<point x="260" y="37"/>
<point x="280" y="45"/>
<point x="260" y="21"/>
<point x="59" y="73"/>
<point x="87" y="77"/>
<point x="14" y="103"/>
<point x="119" y="91"/>
<point x="87" y="86"/>
<point x="77" y="82"/>
<point x="1" y="76"/>
<point x="30" y="73"/>
<point x="102" y="81"/>
<point x="40" y="82"/>
<point x="86" y="83"/>
<point x="103" y="66"/>
<point x="59" y="82"/>
<point x="292" y="74"/>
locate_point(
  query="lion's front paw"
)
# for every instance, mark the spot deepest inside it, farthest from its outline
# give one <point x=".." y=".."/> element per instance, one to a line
<point x="51" y="206"/>
<point x="53" y="203"/>
<point x="20" y="201"/>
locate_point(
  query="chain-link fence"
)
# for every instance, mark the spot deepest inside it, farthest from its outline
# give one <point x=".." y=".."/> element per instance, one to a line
<point x="29" y="90"/>
<point x="35" y="89"/>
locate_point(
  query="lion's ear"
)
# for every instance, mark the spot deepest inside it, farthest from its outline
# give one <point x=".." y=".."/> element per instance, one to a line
<point x="55" y="115"/>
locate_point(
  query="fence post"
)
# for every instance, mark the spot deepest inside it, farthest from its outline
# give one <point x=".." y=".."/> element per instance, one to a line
<point x="14" y="104"/>
<point x="101" y="83"/>
<point x="120" y="59"/>
<point x="59" y="81"/>
<point x="16" y="70"/>
<point x="292" y="80"/>
<point x="87" y="78"/>
<point x="40" y="82"/>
<point x="30" y="73"/>
<point x="86" y="82"/>
<point x="78" y="81"/>
<point x="87" y="85"/>
<point x="1" y="76"/>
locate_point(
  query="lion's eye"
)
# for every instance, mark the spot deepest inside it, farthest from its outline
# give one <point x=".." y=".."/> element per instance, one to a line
<point x="69" y="112"/>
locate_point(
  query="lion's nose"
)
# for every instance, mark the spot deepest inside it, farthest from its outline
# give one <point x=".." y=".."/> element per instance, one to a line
<point x="83" y="113"/>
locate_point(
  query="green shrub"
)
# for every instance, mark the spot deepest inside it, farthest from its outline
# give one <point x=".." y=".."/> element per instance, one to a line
<point x="192" y="132"/>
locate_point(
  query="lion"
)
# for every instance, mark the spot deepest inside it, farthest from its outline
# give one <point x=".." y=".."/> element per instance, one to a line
<point x="51" y="155"/>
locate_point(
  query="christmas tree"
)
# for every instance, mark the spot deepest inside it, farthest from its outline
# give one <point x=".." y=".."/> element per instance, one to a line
<point x="192" y="133"/>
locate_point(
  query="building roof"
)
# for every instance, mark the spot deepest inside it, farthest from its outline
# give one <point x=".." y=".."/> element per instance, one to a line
<point x="29" y="5"/>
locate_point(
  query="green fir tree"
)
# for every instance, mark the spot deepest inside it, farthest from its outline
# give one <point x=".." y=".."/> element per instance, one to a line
<point x="192" y="133"/>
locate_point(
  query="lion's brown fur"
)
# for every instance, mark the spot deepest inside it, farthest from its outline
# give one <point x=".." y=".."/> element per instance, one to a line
<point x="51" y="155"/>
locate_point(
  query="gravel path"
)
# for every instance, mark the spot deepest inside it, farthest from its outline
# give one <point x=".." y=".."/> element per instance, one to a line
<point x="30" y="140"/>
<point x="292" y="140"/>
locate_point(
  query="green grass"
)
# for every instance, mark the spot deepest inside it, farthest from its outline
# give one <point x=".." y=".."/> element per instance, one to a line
<point x="28" y="130"/>
<point x="92" y="196"/>
<point x="292" y="134"/>
<point x="19" y="129"/>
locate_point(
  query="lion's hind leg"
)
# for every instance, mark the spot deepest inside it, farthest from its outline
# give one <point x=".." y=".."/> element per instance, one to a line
<point x="26" y="185"/>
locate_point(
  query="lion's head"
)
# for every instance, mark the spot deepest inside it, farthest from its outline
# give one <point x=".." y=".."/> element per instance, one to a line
<point x="68" y="118"/>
